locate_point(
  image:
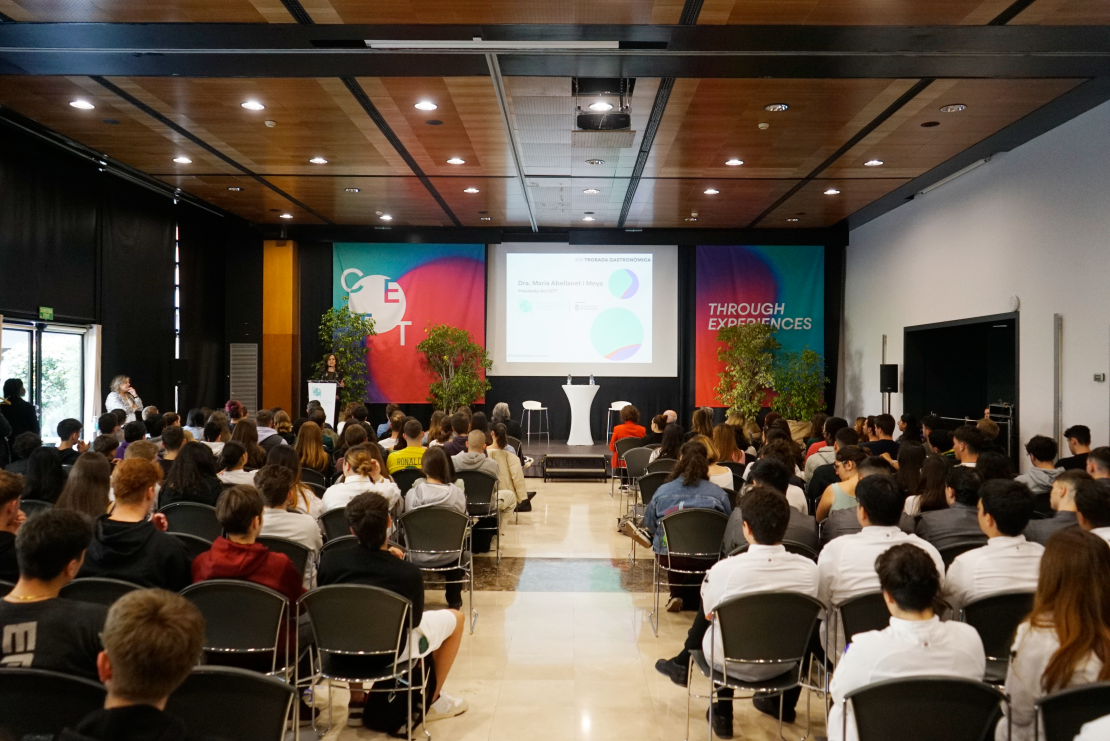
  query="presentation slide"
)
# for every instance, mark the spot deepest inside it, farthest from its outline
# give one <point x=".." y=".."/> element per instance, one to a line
<point x="565" y="309"/>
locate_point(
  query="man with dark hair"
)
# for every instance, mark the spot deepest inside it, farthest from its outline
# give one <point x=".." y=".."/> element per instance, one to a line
<point x="967" y="441"/>
<point x="413" y="453"/>
<point x="106" y="445"/>
<point x="383" y="428"/>
<point x="826" y="454"/>
<point x="930" y="423"/>
<point x="132" y="432"/>
<point x="268" y="439"/>
<point x="1098" y="463"/>
<point x="940" y="442"/>
<point x="1079" y="445"/>
<point x="825" y="475"/>
<point x="396" y="429"/>
<point x="107" y="424"/>
<point x="1008" y="562"/>
<point x="70" y="444"/>
<point x="847" y="563"/>
<point x="41" y="630"/>
<point x="460" y="423"/>
<point x="1042" y="451"/>
<point x="1062" y="502"/>
<point x="959" y="522"/>
<point x="154" y="423"/>
<point x="172" y="439"/>
<point x="11" y="488"/>
<point x="772" y="474"/>
<point x="329" y="438"/>
<point x="1092" y="500"/>
<point x="23" y="445"/>
<point x="277" y="485"/>
<point x="170" y="419"/>
<point x="376" y="563"/>
<point x="915" y="644"/>
<point x="883" y="439"/>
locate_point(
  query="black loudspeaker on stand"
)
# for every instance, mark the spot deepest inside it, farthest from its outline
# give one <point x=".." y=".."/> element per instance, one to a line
<point x="888" y="378"/>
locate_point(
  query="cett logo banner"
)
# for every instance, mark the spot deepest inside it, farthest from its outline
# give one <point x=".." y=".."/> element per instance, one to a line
<point x="780" y="286"/>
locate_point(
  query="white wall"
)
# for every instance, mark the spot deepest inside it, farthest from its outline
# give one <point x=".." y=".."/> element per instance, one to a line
<point x="1033" y="222"/>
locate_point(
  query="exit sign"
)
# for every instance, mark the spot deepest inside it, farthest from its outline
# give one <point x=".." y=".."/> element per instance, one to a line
<point x="46" y="313"/>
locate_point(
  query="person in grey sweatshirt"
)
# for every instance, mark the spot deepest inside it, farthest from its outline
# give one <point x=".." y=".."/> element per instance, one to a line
<point x="436" y="490"/>
<point x="474" y="458"/>
<point x="1042" y="452"/>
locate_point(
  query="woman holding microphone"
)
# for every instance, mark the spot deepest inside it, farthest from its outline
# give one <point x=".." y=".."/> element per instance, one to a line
<point x="123" y="396"/>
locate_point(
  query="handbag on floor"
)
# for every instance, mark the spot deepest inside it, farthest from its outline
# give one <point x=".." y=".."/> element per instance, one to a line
<point x="385" y="711"/>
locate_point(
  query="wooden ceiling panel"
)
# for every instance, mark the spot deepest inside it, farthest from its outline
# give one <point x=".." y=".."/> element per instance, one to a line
<point x="668" y="203"/>
<point x="660" y="12"/>
<point x="404" y="198"/>
<point x="1065" y="13"/>
<point x="852" y="12"/>
<point x="813" y="207"/>
<point x="147" y="11"/>
<point x="499" y="199"/>
<point x="564" y="202"/>
<point x="253" y="201"/>
<point x="908" y="149"/>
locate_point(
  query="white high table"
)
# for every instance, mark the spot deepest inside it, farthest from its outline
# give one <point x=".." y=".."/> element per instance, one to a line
<point x="581" y="398"/>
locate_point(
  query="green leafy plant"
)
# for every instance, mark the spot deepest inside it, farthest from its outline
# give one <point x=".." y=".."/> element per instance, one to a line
<point x="343" y="333"/>
<point x="746" y="352"/>
<point x="458" y="364"/>
<point x="799" y="379"/>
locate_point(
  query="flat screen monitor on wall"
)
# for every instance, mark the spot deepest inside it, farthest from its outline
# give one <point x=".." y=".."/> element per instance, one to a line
<point x="556" y="310"/>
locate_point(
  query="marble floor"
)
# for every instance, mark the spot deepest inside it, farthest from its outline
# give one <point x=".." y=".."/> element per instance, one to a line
<point x="562" y="649"/>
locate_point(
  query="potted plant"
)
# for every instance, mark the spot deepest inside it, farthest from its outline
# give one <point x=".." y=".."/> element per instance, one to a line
<point x="747" y="353"/>
<point x="458" y="363"/>
<point x="344" y="333"/>
<point x="799" y="379"/>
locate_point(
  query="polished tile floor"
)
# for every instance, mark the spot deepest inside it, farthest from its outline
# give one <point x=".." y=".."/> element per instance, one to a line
<point x="576" y="663"/>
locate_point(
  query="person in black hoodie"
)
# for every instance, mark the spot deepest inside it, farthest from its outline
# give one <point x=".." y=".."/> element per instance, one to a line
<point x="19" y="412"/>
<point x="11" y="487"/>
<point x="129" y="546"/>
<point x="152" y="641"/>
<point x="192" y="478"/>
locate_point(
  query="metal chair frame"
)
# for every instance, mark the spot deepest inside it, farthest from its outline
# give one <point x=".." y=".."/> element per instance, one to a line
<point x="493" y="506"/>
<point x="1064" y="724"/>
<point x="984" y="605"/>
<point x="228" y="672"/>
<point x="623" y="445"/>
<point x="711" y="557"/>
<point x="194" y="507"/>
<point x="32" y="506"/>
<point x="63" y="701"/>
<point x="193" y="543"/>
<point x="545" y="422"/>
<point x="661" y="465"/>
<point x="335" y="525"/>
<point x="300" y="555"/>
<point x="916" y="687"/>
<point x="462" y="553"/>
<point x="405" y="478"/>
<point x="949" y="554"/>
<point x="792" y="546"/>
<point x="78" y="585"/>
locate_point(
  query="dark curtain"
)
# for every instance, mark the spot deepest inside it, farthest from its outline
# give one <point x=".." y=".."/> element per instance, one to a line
<point x="203" y="241"/>
<point x="687" y="308"/>
<point x="316" y="287"/>
<point x="136" y="297"/>
<point x="834" y="315"/>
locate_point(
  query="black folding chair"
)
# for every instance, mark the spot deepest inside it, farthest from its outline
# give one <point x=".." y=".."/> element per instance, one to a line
<point x="338" y="544"/>
<point x="297" y="553"/>
<point x="650" y="483"/>
<point x="948" y="553"/>
<point x="213" y="700"/>
<point x="336" y="524"/>
<point x="406" y="477"/>
<point x="480" y="489"/>
<point x="195" y="544"/>
<point x="35" y="703"/>
<point x="317" y="489"/>
<point x="661" y="465"/>
<point x="997" y="618"/>
<point x="863" y="613"/>
<point x="441" y="533"/>
<point x="31" y="507"/>
<point x="193" y="518"/>
<point x="623" y="446"/>
<point x="361" y="633"/>
<point x="312" y="476"/>
<point x="689" y="533"/>
<point x="792" y="546"/>
<point x="761" y="629"/>
<point x="97" y="590"/>
<point x="1065" y="712"/>
<point x="925" y="709"/>
<point x="635" y="466"/>
<point x="736" y="468"/>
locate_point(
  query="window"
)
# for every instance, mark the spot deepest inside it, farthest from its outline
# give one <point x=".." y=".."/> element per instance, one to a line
<point x="50" y="360"/>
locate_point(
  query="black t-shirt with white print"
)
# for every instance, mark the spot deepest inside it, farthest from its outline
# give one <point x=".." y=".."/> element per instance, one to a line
<point x="56" y="634"/>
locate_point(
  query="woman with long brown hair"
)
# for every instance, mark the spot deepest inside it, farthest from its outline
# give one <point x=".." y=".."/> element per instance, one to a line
<point x="724" y="440"/>
<point x="310" y="448"/>
<point x="245" y="433"/>
<point x="1065" y="641"/>
<point x="286" y="457"/>
<point x="364" y="470"/>
<point x="930" y="493"/>
<point x="701" y="423"/>
<point x="842" y="494"/>
<point x="86" y="489"/>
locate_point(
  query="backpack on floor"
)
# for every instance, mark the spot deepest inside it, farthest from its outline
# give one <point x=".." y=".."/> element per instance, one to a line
<point x="385" y="711"/>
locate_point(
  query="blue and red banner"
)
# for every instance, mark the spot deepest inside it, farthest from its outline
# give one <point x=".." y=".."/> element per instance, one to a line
<point x="780" y="286"/>
<point x="403" y="287"/>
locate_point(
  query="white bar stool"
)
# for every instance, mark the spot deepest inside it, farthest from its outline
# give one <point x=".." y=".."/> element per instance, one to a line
<point x="544" y="425"/>
<point x="616" y="406"/>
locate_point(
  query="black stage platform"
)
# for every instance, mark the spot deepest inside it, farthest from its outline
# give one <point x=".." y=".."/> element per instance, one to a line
<point x="537" y="450"/>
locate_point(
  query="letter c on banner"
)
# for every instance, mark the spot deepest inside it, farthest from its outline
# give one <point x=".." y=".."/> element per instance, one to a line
<point x="343" y="280"/>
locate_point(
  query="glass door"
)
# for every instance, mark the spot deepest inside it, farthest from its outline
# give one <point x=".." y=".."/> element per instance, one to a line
<point x="49" y="359"/>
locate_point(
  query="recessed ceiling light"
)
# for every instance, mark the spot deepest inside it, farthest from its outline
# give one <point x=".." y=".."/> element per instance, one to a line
<point x="954" y="108"/>
<point x="456" y="161"/>
<point x="873" y="163"/>
<point x="235" y="189"/>
<point x="83" y="105"/>
<point x="595" y="162"/>
<point x="318" y="161"/>
<point x="286" y="216"/>
<point x="253" y="105"/>
<point x="470" y="190"/>
<point x="791" y="219"/>
<point x="601" y="106"/>
<point x="587" y="218"/>
<point x="485" y="218"/>
<point x="691" y="218"/>
<point x="182" y="160"/>
<point x="426" y="105"/>
<point x="734" y="162"/>
<point x="832" y="192"/>
<point x="711" y="191"/>
<point x="776" y="107"/>
<point x="386" y="217"/>
<point x="591" y="191"/>
<point x="352" y="190"/>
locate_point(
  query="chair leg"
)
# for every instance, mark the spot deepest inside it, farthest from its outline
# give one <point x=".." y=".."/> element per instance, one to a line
<point x="473" y="612"/>
<point x="653" y="617"/>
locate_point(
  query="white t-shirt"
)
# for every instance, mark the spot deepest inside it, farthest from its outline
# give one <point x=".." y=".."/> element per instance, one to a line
<point x="1096" y="730"/>
<point x="338" y="495"/>
<point x="1004" y="564"/>
<point x="237" y="477"/>
<point x="1102" y="532"/>
<point x="723" y="480"/>
<point x="299" y="528"/>
<point x="796" y="498"/>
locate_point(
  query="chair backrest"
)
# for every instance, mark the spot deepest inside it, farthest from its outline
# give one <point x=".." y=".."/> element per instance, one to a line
<point x="339" y="544"/>
<point x="211" y="702"/>
<point x="736" y="468"/>
<point x="405" y="478"/>
<point x="650" y="483"/>
<point x="733" y="497"/>
<point x="5" y="587"/>
<point x="239" y="616"/>
<point x="863" y="613"/>
<point x="40" y="703"/>
<point x="515" y="442"/>
<point x="533" y="405"/>
<point x="435" y="530"/>
<point x="801" y="549"/>
<point x="949" y="708"/>
<point x="481" y="491"/>
<point x="948" y="553"/>
<point x="97" y="590"/>
<point x="357" y="619"/>
<point x="335" y="523"/>
<point x="661" y="465"/>
<point x="997" y="619"/>
<point x="32" y="506"/>
<point x="616" y="406"/>
<point x="193" y="518"/>
<point x="738" y="482"/>
<point x="626" y="444"/>
<point x="317" y="489"/>
<point x="297" y="553"/>
<point x="194" y="543"/>
<point x="694" y="533"/>
<point x="1065" y="712"/>
<point x="312" y="476"/>
<point x="767" y="627"/>
<point x="636" y="460"/>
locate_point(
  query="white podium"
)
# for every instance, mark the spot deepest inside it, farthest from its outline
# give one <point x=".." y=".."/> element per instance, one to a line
<point x="581" y="398"/>
<point x="324" y="392"/>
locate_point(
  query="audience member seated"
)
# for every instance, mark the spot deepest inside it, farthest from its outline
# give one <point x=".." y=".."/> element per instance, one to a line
<point x="192" y="478"/>
<point x="1092" y="504"/>
<point x="967" y="441"/>
<point x="847" y="563"/>
<point x="216" y="435"/>
<point x="842" y="495"/>
<point x="268" y="437"/>
<point x="940" y="441"/>
<point x="23" y="445"/>
<point x="931" y="488"/>
<point x="40" y="629"/>
<point x="283" y="425"/>
<point x="1098" y="463"/>
<point x="44" y="478"/>
<point x="1079" y="445"/>
<point x="1065" y="642"/>
<point x="910" y="429"/>
<point x="845" y="522"/>
<point x="1039" y="478"/>
<point x="194" y="423"/>
<point x="718" y="474"/>
<point x="377" y="564"/>
<point x="121" y="420"/>
<point x="502" y="415"/>
<point x="656" y="425"/>
<point x="237" y="554"/>
<point x="989" y="429"/>
<point x="383" y="429"/>
<point x="235" y="413"/>
<point x="363" y="471"/>
<point x="132" y="432"/>
<point x="784" y="451"/>
<point x="87" y="486"/>
<point x="310" y="449"/>
<point x="510" y="475"/>
<point x="327" y="434"/>
<point x="352" y="435"/>
<point x="960" y="521"/>
<point x="460" y="425"/>
<point x="995" y="465"/>
<point x="771" y="473"/>
<point x="1062" y="501"/>
<point x="107" y="424"/>
<point x="245" y="433"/>
<point x="825" y="475"/>
<point x="436" y="490"/>
<point x="144" y="449"/>
<point x="154" y="423"/>
<point x="10" y="520"/>
<point x="396" y="429"/>
<point x="172" y="439"/>
<point x="70" y="444"/>
<point x="152" y="641"/>
<point x="412" y="453"/>
<point x="883" y="439"/>
<point x="232" y="464"/>
<point x="673" y="437"/>
<point x="19" y="412"/>
<point x="106" y="445"/>
<point x="1008" y="562"/>
<point x="306" y="501"/>
<point x="478" y="421"/>
<point x="915" y="644"/>
<point x="825" y="454"/>
<point x="127" y="545"/>
<point x="278" y="487"/>
<point x="701" y="423"/>
<point x="629" y="427"/>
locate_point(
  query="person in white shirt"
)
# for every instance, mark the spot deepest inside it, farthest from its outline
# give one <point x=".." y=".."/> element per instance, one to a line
<point x="1092" y="502"/>
<point x="847" y="563"/>
<point x="967" y="441"/>
<point x="277" y="485"/>
<point x="764" y="567"/>
<point x="396" y="429"/>
<point x="1065" y="640"/>
<point x="1096" y="730"/>
<point x="915" y="644"/>
<point x="363" y="471"/>
<point x="1008" y="562"/>
<point x="231" y="464"/>
<point x="826" y="454"/>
